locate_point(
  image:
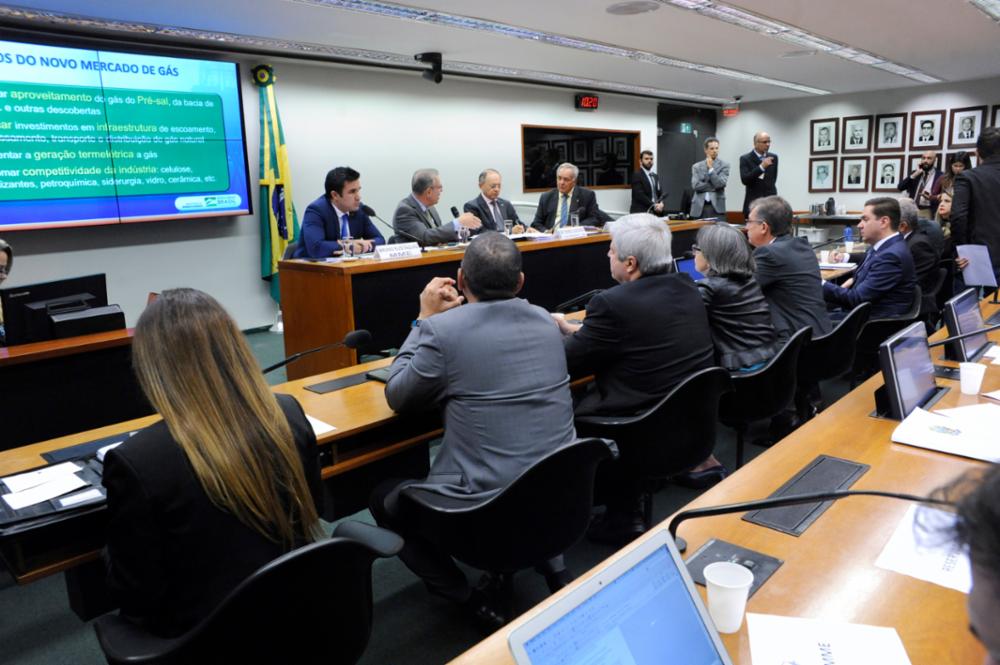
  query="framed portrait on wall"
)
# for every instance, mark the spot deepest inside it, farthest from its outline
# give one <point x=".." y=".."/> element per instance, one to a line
<point x="580" y="152"/>
<point x="965" y="126"/>
<point x="598" y="149"/>
<point x="926" y="130"/>
<point x="890" y="132"/>
<point x="887" y="172"/>
<point x="562" y="150"/>
<point x="583" y="177"/>
<point x="857" y="134"/>
<point x="823" y="174"/>
<point x="619" y="147"/>
<point x="854" y="174"/>
<point x="914" y="163"/>
<point x="823" y="136"/>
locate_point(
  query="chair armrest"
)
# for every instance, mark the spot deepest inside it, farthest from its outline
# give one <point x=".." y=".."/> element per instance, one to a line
<point x="383" y="542"/>
<point x="125" y="641"/>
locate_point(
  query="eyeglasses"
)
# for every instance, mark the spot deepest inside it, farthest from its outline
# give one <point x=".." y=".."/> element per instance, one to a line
<point x="755" y="221"/>
<point x="695" y="248"/>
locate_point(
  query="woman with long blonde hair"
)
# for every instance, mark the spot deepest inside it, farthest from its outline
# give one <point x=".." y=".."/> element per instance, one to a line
<point x="226" y="482"/>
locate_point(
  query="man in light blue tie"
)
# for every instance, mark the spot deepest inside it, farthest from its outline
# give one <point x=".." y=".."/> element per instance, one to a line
<point x="337" y="216"/>
<point x="555" y="206"/>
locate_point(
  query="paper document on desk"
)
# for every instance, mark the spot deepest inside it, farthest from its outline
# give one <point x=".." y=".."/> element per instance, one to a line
<point x="23" y="481"/>
<point x="992" y="352"/>
<point x="776" y="640"/>
<point x="968" y="435"/>
<point x="838" y="266"/>
<point x="925" y="551"/>
<point x="57" y="487"/>
<point x="979" y="272"/>
<point x="993" y="395"/>
<point x="319" y="427"/>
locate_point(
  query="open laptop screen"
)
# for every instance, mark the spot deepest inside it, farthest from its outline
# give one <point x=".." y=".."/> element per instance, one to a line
<point x="687" y="265"/>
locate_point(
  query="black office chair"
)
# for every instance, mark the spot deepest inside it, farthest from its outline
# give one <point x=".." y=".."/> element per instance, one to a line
<point x="874" y="332"/>
<point x="312" y="605"/>
<point x="930" y="311"/>
<point x="828" y="356"/>
<point x="764" y="393"/>
<point x="540" y="515"/>
<point x="290" y="250"/>
<point x="672" y="436"/>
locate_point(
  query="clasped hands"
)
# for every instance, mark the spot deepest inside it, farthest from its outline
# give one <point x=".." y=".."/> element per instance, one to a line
<point x="438" y="296"/>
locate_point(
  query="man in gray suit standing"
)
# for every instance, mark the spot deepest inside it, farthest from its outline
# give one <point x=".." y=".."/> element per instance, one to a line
<point x="416" y="220"/>
<point x="505" y="404"/>
<point x="708" y="180"/>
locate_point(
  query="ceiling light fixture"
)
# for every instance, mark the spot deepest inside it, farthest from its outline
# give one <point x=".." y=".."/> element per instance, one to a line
<point x="989" y="7"/>
<point x="633" y="7"/>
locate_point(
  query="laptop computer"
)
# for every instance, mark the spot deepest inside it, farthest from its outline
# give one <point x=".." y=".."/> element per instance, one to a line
<point x="642" y="609"/>
<point x="687" y="265"/>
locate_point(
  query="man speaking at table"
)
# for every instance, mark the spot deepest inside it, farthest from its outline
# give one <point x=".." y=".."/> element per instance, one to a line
<point x="557" y="205"/>
<point x="337" y="215"/>
<point x="416" y="220"/>
<point x="488" y="206"/>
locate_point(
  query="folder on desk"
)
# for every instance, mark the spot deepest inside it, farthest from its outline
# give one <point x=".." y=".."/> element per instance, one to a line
<point x="48" y="491"/>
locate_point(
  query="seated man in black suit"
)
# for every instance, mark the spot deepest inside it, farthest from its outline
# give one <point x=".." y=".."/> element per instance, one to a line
<point x="557" y="205"/>
<point x="925" y="257"/>
<point x="491" y="210"/>
<point x="337" y="215"/>
<point x="640" y="339"/>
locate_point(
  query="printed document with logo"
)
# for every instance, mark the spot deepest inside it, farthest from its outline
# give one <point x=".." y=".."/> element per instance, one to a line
<point x="925" y="551"/>
<point x="955" y="431"/>
<point x="776" y="640"/>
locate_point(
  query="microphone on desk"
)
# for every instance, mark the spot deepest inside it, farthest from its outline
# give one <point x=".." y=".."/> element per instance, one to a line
<point x="971" y="333"/>
<point x="577" y="303"/>
<point x="370" y="211"/>
<point x="352" y="340"/>
<point x="401" y="232"/>
<point x="658" y="200"/>
<point x="834" y="241"/>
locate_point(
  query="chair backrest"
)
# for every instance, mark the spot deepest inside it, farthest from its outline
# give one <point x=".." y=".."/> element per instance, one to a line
<point x="918" y="299"/>
<point x="832" y="354"/>
<point x="766" y="392"/>
<point x="290" y="250"/>
<point x="876" y="331"/>
<point x="930" y="299"/>
<point x="540" y="515"/>
<point x="312" y="605"/>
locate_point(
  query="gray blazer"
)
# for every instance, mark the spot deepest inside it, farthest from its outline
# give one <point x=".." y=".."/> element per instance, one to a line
<point x="410" y="224"/>
<point x="714" y="183"/>
<point x="505" y="404"/>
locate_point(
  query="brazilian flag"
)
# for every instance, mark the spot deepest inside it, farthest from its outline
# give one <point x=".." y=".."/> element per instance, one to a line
<point x="279" y="225"/>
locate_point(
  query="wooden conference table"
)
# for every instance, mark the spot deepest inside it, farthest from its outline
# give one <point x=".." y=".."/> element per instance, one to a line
<point x="829" y="571"/>
<point x="321" y="302"/>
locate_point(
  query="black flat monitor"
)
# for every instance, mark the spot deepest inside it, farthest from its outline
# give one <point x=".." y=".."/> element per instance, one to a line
<point x="962" y="315"/>
<point x="27" y="309"/>
<point x="687" y="265"/>
<point x="907" y="370"/>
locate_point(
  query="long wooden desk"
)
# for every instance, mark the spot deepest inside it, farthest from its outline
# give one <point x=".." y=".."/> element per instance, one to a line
<point x="321" y="302"/>
<point x="829" y="571"/>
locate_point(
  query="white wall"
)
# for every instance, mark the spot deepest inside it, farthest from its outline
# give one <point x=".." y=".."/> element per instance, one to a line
<point x="384" y="124"/>
<point x="788" y="124"/>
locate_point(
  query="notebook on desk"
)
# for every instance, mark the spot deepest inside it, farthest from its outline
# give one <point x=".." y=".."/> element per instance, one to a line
<point x="641" y="609"/>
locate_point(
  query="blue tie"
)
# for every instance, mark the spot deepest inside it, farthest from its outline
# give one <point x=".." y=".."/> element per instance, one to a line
<point x="565" y="211"/>
<point x="345" y="228"/>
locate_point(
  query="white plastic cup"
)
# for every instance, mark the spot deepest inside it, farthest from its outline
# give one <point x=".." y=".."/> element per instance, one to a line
<point x="508" y="227"/>
<point x="728" y="589"/>
<point x="824" y="256"/>
<point x="848" y="246"/>
<point x="971" y="377"/>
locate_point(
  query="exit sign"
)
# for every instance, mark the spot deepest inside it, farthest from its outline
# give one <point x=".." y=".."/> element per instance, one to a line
<point x="686" y="128"/>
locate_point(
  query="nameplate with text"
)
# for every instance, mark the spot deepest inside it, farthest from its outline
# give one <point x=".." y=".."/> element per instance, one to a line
<point x="568" y="232"/>
<point x="403" y="250"/>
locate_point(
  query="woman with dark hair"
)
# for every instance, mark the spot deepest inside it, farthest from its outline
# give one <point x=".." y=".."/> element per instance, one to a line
<point x="6" y="262"/>
<point x="957" y="163"/>
<point x="738" y="315"/>
<point x="226" y="482"/>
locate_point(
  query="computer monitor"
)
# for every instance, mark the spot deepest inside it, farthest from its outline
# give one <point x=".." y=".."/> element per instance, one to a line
<point x="907" y="370"/>
<point x="962" y="315"/>
<point x="687" y="265"/>
<point x="28" y="309"/>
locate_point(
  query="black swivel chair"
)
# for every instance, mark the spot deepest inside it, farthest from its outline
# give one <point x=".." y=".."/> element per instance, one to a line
<point x="828" y="356"/>
<point x="874" y="332"/>
<point x="930" y="311"/>
<point x="764" y="393"/>
<point x="290" y="250"/>
<point x="312" y="605"/>
<point x="540" y="515"/>
<point x="672" y="436"/>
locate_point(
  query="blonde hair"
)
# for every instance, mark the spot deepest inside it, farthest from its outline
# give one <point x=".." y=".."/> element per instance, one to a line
<point x="197" y="371"/>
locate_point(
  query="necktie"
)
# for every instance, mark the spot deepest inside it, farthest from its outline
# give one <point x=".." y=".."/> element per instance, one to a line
<point x="920" y="188"/>
<point x="497" y="217"/>
<point x="345" y="228"/>
<point x="653" y="186"/>
<point x="430" y="218"/>
<point x="564" y="215"/>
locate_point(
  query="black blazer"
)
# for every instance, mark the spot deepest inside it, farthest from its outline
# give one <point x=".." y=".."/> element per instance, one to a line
<point x="925" y="259"/>
<point x="750" y="176"/>
<point x="788" y="274"/>
<point x="583" y="201"/>
<point x="643" y="196"/>
<point x="478" y="207"/>
<point x="975" y="209"/>
<point x="171" y="554"/>
<point x="639" y="340"/>
<point x="740" y="321"/>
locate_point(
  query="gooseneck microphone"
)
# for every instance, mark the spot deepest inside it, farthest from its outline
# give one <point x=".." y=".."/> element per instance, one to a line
<point x="410" y="236"/>
<point x="352" y="340"/>
<point x="832" y="241"/>
<point x="971" y="333"/>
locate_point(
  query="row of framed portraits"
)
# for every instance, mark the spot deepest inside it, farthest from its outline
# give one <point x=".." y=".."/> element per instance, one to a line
<point x="888" y="132"/>
<point x="881" y="173"/>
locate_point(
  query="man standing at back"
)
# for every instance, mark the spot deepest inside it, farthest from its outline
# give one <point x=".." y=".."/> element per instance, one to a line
<point x="975" y="210"/>
<point x="505" y="403"/>
<point x="557" y="206"/>
<point x="919" y="184"/>
<point x="336" y="216"/>
<point x="708" y="180"/>
<point x="416" y="220"/>
<point x="758" y="171"/>
<point x="647" y="196"/>
<point x="488" y="206"/>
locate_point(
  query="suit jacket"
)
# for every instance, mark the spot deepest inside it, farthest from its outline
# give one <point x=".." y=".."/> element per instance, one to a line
<point x="480" y="209"/>
<point x="925" y="259"/>
<point x="757" y="187"/>
<point x="714" y="183"/>
<point x="975" y="210"/>
<point x="885" y="279"/>
<point x="909" y="185"/>
<point x="583" y="201"/>
<point x="411" y="224"/>
<point x="639" y="340"/>
<point x="788" y="274"/>
<point x="643" y="196"/>
<point x="321" y="229"/>
<point x="505" y="403"/>
<point x="171" y="554"/>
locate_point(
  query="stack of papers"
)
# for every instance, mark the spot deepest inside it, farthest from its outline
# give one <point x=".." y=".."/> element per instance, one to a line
<point x="33" y="487"/>
<point x="838" y="266"/>
<point x="319" y="427"/>
<point x="776" y="640"/>
<point x="968" y="431"/>
<point x="926" y="551"/>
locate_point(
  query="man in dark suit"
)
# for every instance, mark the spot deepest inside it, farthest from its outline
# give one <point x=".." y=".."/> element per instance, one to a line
<point x="647" y="196"/>
<point x="639" y="340"/>
<point x="787" y="270"/>
<point x="886" y="277"/>
<point x="758" y="171"/>
<point x="416" y="220"/>
<point x="491" y="210"/>
<point x="557" y="205"/>
<point x="919" y="184"/>
<point x="975" y="209"/>
<point x="925" y="257"/>
<point x="335" y="216"/>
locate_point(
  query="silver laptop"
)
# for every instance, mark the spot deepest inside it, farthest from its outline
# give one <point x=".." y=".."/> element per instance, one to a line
<point x="642" y="609"/>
